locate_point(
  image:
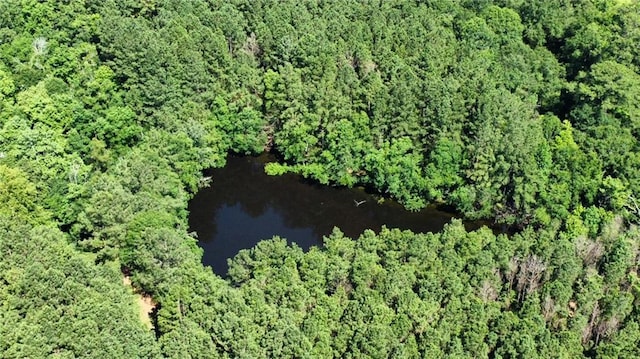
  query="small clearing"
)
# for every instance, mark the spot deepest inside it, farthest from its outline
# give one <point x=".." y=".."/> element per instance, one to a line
<point x="145" y="303"/>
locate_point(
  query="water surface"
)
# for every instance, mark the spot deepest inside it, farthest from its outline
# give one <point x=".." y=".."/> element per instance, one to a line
<point x="244" y="205"/>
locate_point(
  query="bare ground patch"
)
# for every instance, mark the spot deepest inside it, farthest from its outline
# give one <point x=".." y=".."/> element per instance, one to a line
<point x="144" y="303"/>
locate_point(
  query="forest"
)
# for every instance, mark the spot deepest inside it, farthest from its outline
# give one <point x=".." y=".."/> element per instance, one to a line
<point x="522" y="113"/>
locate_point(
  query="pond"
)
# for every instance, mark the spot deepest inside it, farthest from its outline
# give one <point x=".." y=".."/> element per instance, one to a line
<point x="243" y="205"/>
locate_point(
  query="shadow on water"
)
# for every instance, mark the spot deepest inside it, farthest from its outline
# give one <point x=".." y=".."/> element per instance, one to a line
<point x="244" y="205"/>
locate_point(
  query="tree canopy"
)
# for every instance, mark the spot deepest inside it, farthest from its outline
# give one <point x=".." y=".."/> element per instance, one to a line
<point x="523" y="113"/>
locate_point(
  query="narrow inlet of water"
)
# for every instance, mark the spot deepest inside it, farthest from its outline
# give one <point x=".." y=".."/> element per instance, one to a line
<point x="243" y="205"/>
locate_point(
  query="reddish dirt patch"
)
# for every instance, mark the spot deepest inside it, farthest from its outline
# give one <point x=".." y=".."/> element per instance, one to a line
<point x="145" y="303"/>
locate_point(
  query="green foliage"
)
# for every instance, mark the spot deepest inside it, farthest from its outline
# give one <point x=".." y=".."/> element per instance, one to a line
<point x="522" y="112"/>
<point x="409" y="295"/>
<point x="276" y="169"/>
<point x="6" y="83"/>
<point x="57" y="303"/>
<point x="243" y="127"/>
<point x="19" y="196"/>
<point x="443" y="171"/>
<point x="396" y="169"/>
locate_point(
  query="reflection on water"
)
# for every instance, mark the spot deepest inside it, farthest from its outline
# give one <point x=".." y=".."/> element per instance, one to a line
<point x="244" y="205"/>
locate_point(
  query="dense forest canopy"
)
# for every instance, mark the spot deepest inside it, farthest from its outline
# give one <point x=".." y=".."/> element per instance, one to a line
<point x="526" y="113"/>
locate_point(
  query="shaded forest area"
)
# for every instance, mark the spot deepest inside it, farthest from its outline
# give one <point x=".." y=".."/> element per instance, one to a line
<point x="526" y="113"/>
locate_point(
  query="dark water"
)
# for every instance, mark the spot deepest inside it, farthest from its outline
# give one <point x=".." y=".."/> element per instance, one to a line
<point x="244" y="205"/>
